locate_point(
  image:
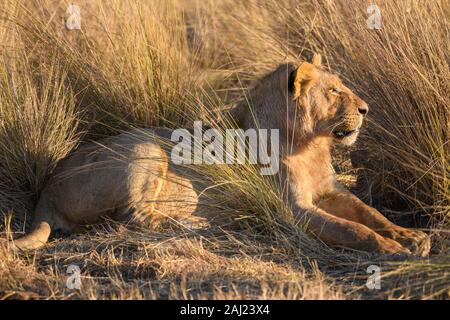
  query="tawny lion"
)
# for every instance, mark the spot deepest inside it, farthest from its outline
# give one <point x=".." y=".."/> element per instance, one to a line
<point x="130" y="175"/>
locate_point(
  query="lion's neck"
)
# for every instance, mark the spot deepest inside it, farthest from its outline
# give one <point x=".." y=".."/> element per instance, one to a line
<point x="309" y="145"/>
<point x="310" y="169"/>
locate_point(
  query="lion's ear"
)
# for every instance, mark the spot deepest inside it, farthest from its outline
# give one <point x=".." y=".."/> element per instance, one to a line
<point x="317" y="59"/>
<point x="303" y="79"/>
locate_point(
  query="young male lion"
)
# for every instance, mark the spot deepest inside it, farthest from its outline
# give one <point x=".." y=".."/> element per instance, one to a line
<point x="131" y="174"/>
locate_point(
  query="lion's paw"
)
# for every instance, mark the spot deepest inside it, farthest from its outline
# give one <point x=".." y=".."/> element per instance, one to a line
<point x="388" y="246"/>
<point x="416" y="241"/>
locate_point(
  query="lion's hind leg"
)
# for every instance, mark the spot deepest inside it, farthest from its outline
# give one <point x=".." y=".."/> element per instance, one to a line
<point x="146" y="170"/>
<point x="159" y="194"/>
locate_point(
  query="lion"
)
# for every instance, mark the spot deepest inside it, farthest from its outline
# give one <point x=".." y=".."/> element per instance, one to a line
<point x="131" y="176"/>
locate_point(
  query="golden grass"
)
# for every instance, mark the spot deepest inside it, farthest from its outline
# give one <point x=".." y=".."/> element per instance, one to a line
<point x="167" y="63"/>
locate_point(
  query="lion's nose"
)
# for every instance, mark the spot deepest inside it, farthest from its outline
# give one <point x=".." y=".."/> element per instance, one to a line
<point x="363" y="109"/>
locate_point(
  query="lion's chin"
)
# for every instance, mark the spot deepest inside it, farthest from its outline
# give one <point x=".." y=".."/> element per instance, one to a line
<point x="346" y="138"/>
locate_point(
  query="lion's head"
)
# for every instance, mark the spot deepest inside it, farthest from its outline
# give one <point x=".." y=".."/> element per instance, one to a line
<point x="304" y="102"/>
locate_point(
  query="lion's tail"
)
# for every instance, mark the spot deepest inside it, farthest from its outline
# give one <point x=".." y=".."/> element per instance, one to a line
<point x="36" y="239"/>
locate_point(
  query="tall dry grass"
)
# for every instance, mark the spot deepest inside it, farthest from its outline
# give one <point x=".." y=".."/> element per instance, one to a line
<point x="167" y="63"/>
<point x="401" y="70"/>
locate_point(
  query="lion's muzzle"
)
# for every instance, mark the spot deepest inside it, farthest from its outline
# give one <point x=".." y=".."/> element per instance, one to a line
<point x="351" y="121"/>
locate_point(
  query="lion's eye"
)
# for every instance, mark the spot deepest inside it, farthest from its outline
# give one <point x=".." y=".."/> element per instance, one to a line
<point x="335" y="91"/>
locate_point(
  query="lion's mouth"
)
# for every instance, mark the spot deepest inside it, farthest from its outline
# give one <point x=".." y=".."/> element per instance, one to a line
<point x="341" y="134"/>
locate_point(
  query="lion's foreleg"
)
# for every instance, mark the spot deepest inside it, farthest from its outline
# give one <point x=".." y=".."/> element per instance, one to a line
<point x="349" y="207"/>
<point x="345" y="205"/>
<point x="337" y="231"/>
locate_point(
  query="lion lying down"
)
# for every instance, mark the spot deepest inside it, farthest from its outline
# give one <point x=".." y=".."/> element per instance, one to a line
<point x="130" y="175"/>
